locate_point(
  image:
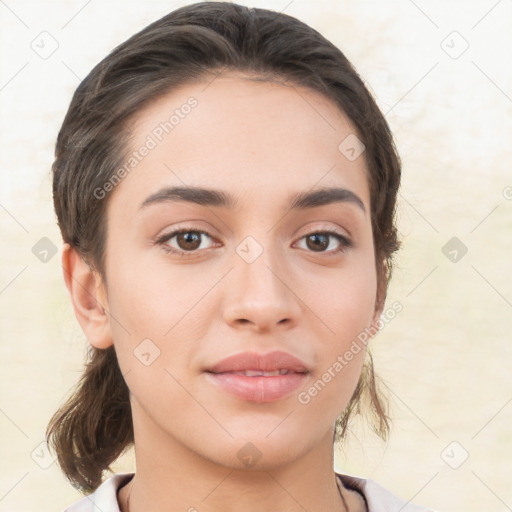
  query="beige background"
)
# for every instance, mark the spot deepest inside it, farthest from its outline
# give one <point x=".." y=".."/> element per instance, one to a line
<point x="446" y="357"/>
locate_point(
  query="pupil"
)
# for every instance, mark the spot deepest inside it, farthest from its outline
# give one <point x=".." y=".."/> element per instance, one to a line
<point x="189" y="238"/>
<point x="317" y="238"/>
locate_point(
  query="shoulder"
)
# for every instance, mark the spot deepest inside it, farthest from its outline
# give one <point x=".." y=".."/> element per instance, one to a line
<point x="104" y="498"/>
<point x="378" y="498"/>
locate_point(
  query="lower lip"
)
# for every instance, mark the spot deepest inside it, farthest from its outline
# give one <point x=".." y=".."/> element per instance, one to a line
<point x="258" y="389"/>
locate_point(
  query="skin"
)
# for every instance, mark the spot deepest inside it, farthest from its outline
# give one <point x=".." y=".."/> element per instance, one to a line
<point x="260" y="141"/>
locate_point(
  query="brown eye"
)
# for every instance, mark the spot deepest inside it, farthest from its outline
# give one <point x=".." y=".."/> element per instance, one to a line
<point x="320" y="242"/>
<point x="189" y="240"/>
<point x="317" y="241"/>
<point x="186" y="241"/>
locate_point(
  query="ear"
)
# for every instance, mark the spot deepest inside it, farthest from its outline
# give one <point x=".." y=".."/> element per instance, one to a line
<point x="89" y="298"/>
<point x="380" y="297"/>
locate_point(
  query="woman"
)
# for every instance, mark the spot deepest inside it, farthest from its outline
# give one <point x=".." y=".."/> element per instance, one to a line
<point x="225" y="186"/>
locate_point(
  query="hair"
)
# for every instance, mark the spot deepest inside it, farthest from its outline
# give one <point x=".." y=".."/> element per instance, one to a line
<point x="94" y="426"/>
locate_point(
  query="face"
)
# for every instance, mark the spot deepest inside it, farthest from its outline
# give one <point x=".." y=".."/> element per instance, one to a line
<point x="252" y="276"/>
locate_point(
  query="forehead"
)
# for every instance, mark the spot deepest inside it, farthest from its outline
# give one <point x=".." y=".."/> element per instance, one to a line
<point x="256" y="137"/>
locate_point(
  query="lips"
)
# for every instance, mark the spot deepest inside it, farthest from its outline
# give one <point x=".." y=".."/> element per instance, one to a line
<point x="259" y="377"/>
<point x="271" y="362"/>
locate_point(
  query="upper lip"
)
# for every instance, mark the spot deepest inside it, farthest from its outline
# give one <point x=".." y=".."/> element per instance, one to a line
<point x="272" y="361"/>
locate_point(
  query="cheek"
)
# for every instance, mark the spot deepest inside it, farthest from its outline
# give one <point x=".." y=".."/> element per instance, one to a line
<point x="345" y="308"/>
<point x="350" y="308"/>
<point x="150" y="297"/>
<point x="347" y="304"/>
<point x="154" y="316"/>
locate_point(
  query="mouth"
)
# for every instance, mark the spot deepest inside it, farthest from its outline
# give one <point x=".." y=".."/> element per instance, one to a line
<point x="259" y="377"/>
<point x="260" y="373"/>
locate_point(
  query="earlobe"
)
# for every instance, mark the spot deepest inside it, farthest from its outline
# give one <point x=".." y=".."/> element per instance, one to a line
<point x="87" y="293"/>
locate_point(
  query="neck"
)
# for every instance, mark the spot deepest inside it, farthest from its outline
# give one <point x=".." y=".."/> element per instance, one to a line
<point x="172" y="477"/>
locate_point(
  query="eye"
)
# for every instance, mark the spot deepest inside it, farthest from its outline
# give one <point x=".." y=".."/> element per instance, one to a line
<point x="318" y="241"/>
<point x="188" y="240"/>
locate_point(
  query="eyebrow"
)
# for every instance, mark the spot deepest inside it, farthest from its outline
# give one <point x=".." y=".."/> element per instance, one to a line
<point x="212" y="197"/>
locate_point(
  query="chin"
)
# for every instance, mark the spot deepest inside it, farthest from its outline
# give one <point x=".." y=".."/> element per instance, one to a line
<point x="259" y="450"/>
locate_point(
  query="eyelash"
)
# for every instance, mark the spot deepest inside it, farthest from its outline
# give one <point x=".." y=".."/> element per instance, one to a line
<point x="345" y="243"/>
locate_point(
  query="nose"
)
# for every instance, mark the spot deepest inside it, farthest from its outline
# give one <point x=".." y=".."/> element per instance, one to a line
<point x="261" y="294"/>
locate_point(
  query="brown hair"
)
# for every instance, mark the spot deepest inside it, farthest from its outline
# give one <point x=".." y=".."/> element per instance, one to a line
<point x="94" y="426"/>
